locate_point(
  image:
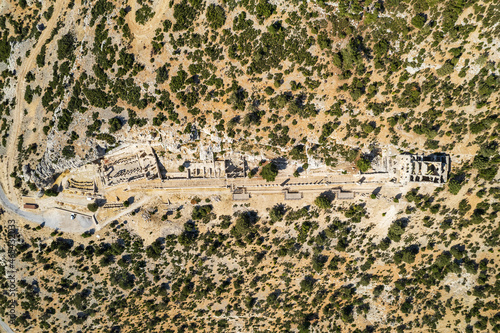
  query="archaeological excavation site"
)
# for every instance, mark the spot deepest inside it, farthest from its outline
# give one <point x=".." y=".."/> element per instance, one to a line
<point x="249" y="166"/>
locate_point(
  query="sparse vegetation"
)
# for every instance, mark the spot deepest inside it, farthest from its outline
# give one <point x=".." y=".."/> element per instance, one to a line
<point x="269" y="172"/>
<point x="92" y="207"/>
<point x="316" y="91"/>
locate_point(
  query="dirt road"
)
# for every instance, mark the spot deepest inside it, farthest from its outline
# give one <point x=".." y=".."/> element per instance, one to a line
<point x="17" y="120"/>
<point x="54" y="218"/>
<point x="13" y="208"/>
<point x="5" y="327"/>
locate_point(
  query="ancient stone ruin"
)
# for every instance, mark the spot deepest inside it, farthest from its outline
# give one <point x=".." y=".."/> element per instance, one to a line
<point x="420" y="168"/>
<point x="118" y="170"/>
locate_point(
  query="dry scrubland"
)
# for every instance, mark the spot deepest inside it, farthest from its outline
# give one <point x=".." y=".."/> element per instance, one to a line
<point x="331" y="82"/>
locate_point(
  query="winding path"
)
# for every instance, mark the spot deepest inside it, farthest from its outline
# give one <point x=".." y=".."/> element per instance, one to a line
<point x="55" y="218"/>
<point x="9" y="206"/>
<point x="17" y="118"/>
<point x="141" y="31"/>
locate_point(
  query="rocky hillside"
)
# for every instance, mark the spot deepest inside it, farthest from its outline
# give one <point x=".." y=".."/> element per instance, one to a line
<point x="263" y="76"/>
<point x="329" y="81"/>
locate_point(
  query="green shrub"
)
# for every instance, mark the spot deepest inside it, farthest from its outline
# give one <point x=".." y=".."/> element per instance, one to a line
<point x="323" y="202"/>
<point x="418" y="21"/>
<point x="4" y="50"/>
<point x="264" y="9"/>
<point x="154" y="250"/>
<point x="269" y="172"/>
<point x="407" y="255"/>
<point x="184" y="16"/>
<point x="92" y="207"/>
<point x="396" y="230"/>
<point x="454" y="186"/>
<point x="51" y="192"/>
<point x="159" y="119"/>
<point x="28" y="94"/>
<point x="64" y="120"/>
<point x="277" y="213"/>
<point x="189" y="235"/>
<point x="410" y="97"/>
<point x="355" y="213"/>
<point x="66" y="46"/>
<point x="318" y="262"/>
<point x="123" y="279"/>
<point x="307" y="284"/>
<point x="161" y="74"/>
<point x="269" y="91"/>
<point x="384" y="244"/>
<point x="216" y="16"/>
<point x="363" y="164"/>
<point x="377" y="291"/>
<point x="40" y="58"/>
<point x="97" y="97"/>
<point x="101" y="7"/>
<point x="106" y="137"/>
<point x="68" y="151"/>
<point x="244" y="224"/>
<point x="199" y="212"/>
<point x="489" y="173"/>
<point x="115" y="124"/>
<point x="327" y="130"/>
<point x="446" y="69"/>
<point x="143" y="14"/>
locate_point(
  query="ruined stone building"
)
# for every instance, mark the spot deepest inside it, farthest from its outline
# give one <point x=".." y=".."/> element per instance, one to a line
<point x="420" y="168"/>
<point x="126" y="168"/>
<point x="212" y="169"/>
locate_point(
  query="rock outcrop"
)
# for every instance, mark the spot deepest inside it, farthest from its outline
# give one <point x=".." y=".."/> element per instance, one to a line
<point x="53" y="163"/>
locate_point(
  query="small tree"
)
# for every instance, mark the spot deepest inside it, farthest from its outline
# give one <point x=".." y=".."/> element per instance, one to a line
<point x="114" y="125"/>
<point x="68" y="151"/>
<point x="277" y="212"/>
<point x="323" y="202"/>
<point x="51" y="192"/>
<point x="92" y="207"/>
<point x="307" y="284"/>
<point x="189" y="234"/>
<point x="264" y="9"/>
<point x="216" y="16"/>
<point x="251" y="173"/>
<point x="154" y="250"/>
<point x="66" y="46"/>
<point x="363" y="164"/>
<point x="244" y="224"/>
<point x="269" y="172"/>
<point x="396" y="230"/>
<point x="200" y="212"/>
<point x="318" y="262"/>
<point x="4" y="50"/>
<point x="418" y="21"/>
